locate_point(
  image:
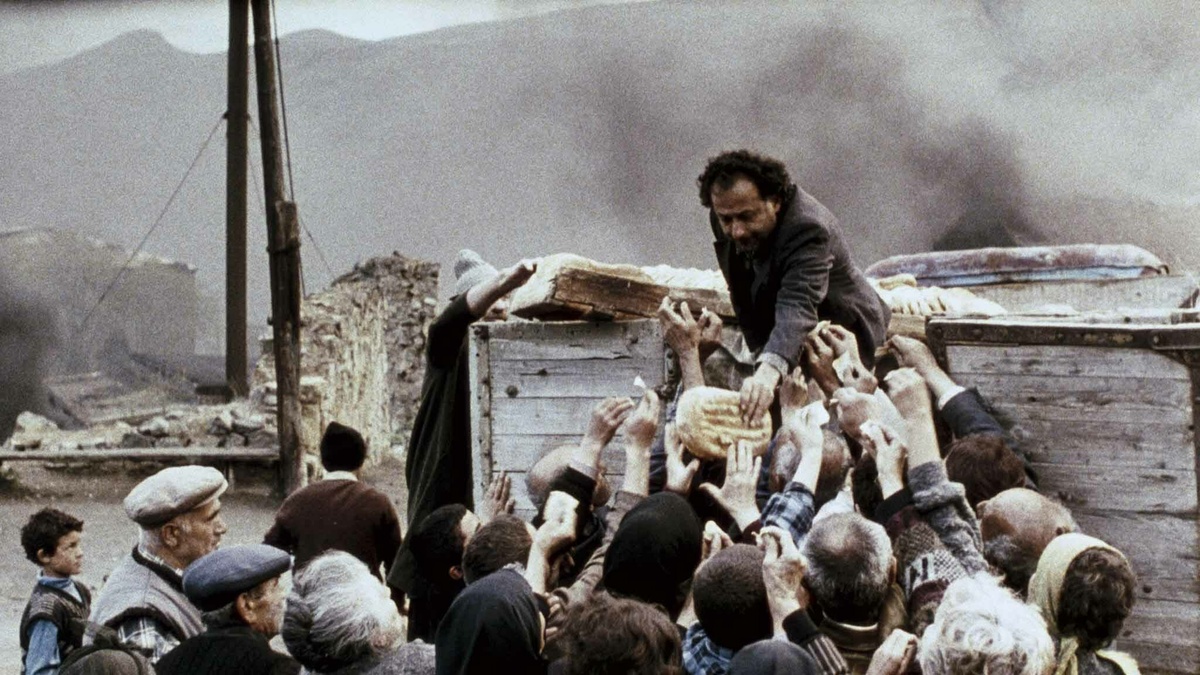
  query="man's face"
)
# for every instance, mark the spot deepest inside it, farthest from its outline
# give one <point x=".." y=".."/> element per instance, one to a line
<point x="744" y="216"/>
<point x="200" y="532"/>
<point x="266" y="611"/>
<point x="68" y="556"/>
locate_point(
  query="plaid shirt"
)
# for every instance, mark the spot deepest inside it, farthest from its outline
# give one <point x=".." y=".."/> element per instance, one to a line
<point x="793" y="510"/>
<point x="702" y="656"/>
<point x="147" y="636"/>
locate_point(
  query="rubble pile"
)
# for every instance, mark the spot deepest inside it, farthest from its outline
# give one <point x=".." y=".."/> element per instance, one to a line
<point x="362" y="348"/>
<point x="232" y="425"/>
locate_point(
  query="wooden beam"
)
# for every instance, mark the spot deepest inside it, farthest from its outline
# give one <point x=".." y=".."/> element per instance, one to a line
<point x="283" y="245"/>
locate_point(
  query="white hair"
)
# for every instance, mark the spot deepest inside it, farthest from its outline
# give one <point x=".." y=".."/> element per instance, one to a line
<point x="982" y="629"/>
<point x="338" y="614"/>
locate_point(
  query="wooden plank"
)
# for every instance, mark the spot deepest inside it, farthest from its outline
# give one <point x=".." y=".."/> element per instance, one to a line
<point x="194" y="453"/>
<point x="1080" y="410"/>
<point x="1167" y="291"/>
<point x="577" y="378"/>
<point x="1162" y="659"/>
<point x="1055" y="360"/>
<point x="1095" y="489"/>
<point x="576" y="340"/>
<point x="517" y="452"/>
<point x="1105" y="443"/>
<point x="481" y="411"/>
<point x="538" y="416"/>
<point x="1129" y="388"/>
<point x="1162" y="549"/>
<point x="1163" y="622"/>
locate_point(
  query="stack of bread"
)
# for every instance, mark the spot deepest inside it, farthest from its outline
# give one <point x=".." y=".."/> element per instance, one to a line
<point x="903" y="296"/>
<point x="709" y="420"/>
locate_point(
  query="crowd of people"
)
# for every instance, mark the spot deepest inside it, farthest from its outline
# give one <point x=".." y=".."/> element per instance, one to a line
<point x="891" y="525"/>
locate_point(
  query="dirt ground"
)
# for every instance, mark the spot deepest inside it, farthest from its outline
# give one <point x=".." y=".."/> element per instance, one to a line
<point x="94" y="494"/>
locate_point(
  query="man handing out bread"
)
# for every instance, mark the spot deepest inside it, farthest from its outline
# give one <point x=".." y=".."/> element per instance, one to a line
<point x="786" y="266"/>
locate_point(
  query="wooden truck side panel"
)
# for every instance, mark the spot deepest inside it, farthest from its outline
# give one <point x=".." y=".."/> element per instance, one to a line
<point x="1108" y="416"/>
<point x="533" y="387"/>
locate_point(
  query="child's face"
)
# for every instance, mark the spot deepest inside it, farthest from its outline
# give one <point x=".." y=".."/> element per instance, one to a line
<point x="68" y="556"/>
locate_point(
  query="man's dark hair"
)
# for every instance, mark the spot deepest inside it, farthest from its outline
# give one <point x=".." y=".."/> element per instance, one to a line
<point x="342" y="448"/>
<point x="503" y="541"/>
<point x="768" y="175"/>
<point x="849" y="559"/>
<point x="615" y="636"/>
<point x="1097" y="596"/>
<point x="437" y="542"/>
<point x="985" y="466"/>
<point x="731" y="598"/>
<point x="43" y="531"/>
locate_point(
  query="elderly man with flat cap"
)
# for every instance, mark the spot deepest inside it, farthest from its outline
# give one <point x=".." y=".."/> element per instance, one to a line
<point x="241" y="594"/>
<point x="179" y="513"/>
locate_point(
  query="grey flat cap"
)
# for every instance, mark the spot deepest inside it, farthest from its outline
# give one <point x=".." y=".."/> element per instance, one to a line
<point x="219" y="577"/>
<point x="172" y="492"/>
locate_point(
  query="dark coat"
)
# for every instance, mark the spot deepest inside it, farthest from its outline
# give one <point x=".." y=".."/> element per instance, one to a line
<point x="234" y="649"/>
<point x="438" y="468"/>
<point x="800" y="275"/>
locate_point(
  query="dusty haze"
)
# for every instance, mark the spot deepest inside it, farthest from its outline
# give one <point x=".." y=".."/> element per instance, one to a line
<point x="919" y="125"/>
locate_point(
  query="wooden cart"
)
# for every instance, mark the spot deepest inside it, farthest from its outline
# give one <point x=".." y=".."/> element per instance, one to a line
<point x="1108" y="413"/>
<point x="533" y="386"/>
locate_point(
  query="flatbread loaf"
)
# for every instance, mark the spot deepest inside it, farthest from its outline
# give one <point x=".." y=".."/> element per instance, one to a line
<point x="708" y="421"/>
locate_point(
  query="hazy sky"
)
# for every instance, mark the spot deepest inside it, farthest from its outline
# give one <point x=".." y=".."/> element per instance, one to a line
<point x="43" y="31"/>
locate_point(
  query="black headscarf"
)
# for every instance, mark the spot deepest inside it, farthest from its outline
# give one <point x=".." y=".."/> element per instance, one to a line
<point x="772" y="656"/>
<point x="493" y="626"/>
<point x="654" y="552"/>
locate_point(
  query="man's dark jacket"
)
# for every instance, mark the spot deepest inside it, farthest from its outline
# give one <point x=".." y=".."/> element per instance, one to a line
<point x="230" y="649"/>
<point x="801" y="274"/>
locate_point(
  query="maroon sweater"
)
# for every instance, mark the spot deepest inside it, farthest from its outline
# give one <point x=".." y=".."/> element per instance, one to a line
<point x="342" y="515"/>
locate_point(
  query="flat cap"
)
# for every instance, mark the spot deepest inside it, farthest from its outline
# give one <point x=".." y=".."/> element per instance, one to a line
<point x="172" y="492"/>
<point x="219" y="577"/>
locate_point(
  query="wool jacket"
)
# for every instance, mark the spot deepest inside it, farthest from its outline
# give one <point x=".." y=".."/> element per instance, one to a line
<point x="338" y="515"/>
<point x="140" y="588"/>
<point x="800" y="275"/>
<point x="410" y="658"/>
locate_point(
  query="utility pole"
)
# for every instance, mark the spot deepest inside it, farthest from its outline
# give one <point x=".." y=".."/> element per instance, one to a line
<point x="283" y="248"/>
<point x="236" y="118"/>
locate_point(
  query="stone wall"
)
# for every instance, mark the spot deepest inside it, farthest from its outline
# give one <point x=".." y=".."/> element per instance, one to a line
<point x="362" y="353"/>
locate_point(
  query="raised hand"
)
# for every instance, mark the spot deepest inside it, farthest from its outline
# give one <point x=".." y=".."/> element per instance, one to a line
<point x="679" y="473"/>
<point x="558" y="529"/>
<point x="710" y="332"/>
<point x="497" y="500"/>
<point x="715" y="540"/>
<point x="889" y="454"/>
<point x="818" y="357"/>
<point x="641" y="426"/>
<point x="783" y="575"/>
<point x="607" y="417"/>
<point x="514" y="277"/>
<point x="741" y="478"/>
<point x="680" y="331"/>
<point x="907" y="390"/>
<point x="894" y="655"/>
<point x="912" y="353"/>
<point x="757" y="394"/>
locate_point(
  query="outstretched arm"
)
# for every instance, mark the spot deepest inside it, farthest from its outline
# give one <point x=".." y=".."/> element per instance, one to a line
<point x="482" y="296"/>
